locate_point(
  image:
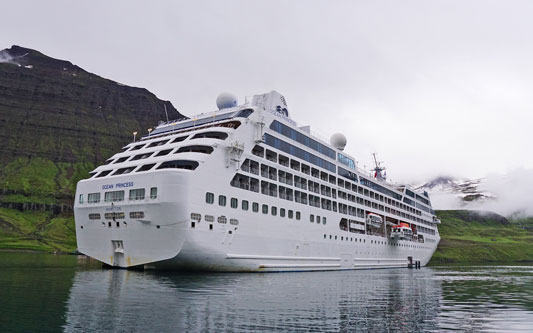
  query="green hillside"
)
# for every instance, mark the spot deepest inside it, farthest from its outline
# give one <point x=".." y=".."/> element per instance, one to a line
<point x="57" y="122"/>
<point x="481" y="237"/>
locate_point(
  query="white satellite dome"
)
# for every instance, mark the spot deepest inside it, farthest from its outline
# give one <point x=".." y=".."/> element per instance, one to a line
<point x="338" y="140"/>
<point x="226" y="100"/>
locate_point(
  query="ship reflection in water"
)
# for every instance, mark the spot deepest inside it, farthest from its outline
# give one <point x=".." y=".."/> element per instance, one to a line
<point x="45" y="293"/>
<point x="490" y="298"/>
<point x="380" y="300"/>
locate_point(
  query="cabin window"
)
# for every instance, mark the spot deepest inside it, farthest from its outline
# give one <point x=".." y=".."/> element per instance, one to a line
<point x="282" y="212"/>
<point x="264" y="209"/>
<point x="222" y="219"/>
<point x="157" y="143"/>
<point x="114" y="196"/>
<point x="122" y="159"/>
<point x="323" y="220"/>
<point x="195" y="149"/>
<point x="94" y="216"/>
<point x="274" y="210"/>
<point x="298" y="215"/>
<point x="93" y="198"/>
<point x="164" y="152"/>
<point x="209" y="218"/>
<point x="211" y="135"/>
<point x="179" y="164"/>
<point x="318" y="219"/>
<point x="196" y="217"/>
<point x="209" y="198"/>
<point x="103" y="173"/>
<point x="245" y="113"/>
<point x="258" y="151"/>
<point x="255" y="207"/>
<point x="137" y="147"/>
<point x="136" y="215"/>
<point x="311" y="218"/>
<point x="290" y="214"/>
<point x="153" y="193"/>
<point x="124" y="171"/>
<point x="141" y="156"/>
<point x="234" y="203"/>
<point x="146" y="167"/>
<point x="114" y="215"/>
<point x="233" y="221"/>
<point x="137" y="194"/>
<point x="222" y="200"/>
<point x="179" y="139"/>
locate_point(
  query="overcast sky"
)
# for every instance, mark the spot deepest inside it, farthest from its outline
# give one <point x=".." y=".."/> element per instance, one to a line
<point x="434" y="87"/>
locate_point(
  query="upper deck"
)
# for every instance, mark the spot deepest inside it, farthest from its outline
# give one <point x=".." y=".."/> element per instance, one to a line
<point x="193" y="139"/>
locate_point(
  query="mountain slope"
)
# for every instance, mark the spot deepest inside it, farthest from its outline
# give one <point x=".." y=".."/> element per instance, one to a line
<point x="57" y="122"/>
<point x="481" y="237"/>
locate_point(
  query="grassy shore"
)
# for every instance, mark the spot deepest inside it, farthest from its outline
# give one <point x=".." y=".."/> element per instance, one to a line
<point x="477" y="238"/>
<point x="37" y="231"/>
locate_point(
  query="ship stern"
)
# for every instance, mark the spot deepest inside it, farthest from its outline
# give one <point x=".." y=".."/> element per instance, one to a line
<point x="134" y="220"/>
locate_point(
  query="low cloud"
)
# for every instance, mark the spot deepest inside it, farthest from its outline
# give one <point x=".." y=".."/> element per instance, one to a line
<point x="5" y="57"/>
<point x="513" y="195"/>
<point x="513" y="192"/>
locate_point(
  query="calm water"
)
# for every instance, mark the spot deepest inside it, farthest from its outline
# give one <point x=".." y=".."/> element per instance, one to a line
<point x="46" y="293"/>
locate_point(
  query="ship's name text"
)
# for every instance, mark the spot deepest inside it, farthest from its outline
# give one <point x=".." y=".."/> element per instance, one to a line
<point x="117" y="185"/>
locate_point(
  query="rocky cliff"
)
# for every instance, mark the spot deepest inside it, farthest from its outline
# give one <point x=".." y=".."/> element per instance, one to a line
<point x="57" y="122"/>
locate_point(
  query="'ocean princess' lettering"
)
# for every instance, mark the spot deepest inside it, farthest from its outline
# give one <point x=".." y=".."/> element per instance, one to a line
<point x="126" y="184"/>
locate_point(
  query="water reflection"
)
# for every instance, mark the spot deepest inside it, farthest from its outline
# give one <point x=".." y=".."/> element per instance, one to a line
<point x="377" y="300"/>
<point x="490" y="298"/>
<point x="34" y="289"/>
<point x="44" y="293"/>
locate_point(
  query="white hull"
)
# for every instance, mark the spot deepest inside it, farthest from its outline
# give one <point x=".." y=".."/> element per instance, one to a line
<point x="167" y="235"/>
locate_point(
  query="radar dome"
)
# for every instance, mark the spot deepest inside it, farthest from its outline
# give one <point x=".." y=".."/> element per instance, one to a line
<point x="338" y="140"/>
<point x="226" y="100"/>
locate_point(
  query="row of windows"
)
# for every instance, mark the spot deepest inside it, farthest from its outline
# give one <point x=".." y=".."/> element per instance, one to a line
<point x="415" y="203"/>
<point x="196" y="218"/>
<point x="117" y="196"/>
<point x="302" y="139"/>
<point x="157" y="143"/>
<point x="346" y="161"/>
<point x="116" y="215"/>
<point x="376" y="242"/>
<point x="271" y="189"/>
<point x="298" y="152"/>
<point x="315" y="145"/>
<point x="245" y="205"/>
<point x="298" y="137"/>
<point x="208" y="121"/>
<point x="285" y="177"/>
<point x="174" y="164"/>
<point x="192" y="148"/>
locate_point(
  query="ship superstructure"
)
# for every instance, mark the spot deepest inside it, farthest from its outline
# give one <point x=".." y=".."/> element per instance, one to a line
<point x="246" y="189"/>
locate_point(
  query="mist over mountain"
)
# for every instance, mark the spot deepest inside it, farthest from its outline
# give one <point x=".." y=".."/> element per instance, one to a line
<point x="509" y="194"/>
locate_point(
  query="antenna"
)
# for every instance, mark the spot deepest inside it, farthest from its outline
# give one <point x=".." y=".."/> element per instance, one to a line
<point x="134" y="135"/>
<point x="149" y="131"/>
<point x="377" y="169"/>
<point x="166" y="113"/>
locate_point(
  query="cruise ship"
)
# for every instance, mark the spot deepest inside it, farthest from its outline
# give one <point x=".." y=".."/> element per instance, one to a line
<point x="245" y="188"/>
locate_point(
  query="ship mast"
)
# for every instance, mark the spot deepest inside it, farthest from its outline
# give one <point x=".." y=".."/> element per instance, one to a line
<point x="378" y="169"/>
